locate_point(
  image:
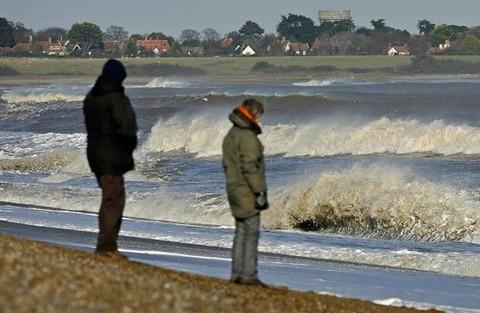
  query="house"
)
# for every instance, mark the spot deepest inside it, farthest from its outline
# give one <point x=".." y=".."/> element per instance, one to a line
<point x="297" y="48"/>
<point x="113" y="46"/>
<point x="248" y="51"/>
<point x="316" y="45"/>
<point x="444" y="46"/>
<point x="155" y="45"/>
<point x="226" y="42"/>
<point x="52" y="48"/>
<point x="5" y="50"/>
<point x="23" y="47"/>
<point x="398" y="50"/>
<point x="434" y="50"/>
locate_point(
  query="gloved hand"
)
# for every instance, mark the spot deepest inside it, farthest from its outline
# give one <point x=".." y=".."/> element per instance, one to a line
<point x="261" y="202"/>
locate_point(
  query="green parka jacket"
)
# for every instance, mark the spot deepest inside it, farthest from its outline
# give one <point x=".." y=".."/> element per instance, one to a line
<point x="244" y="165"/>
<point x="111" y="130"/>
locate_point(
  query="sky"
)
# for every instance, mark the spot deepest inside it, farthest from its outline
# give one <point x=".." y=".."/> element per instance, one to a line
<point x="171" y="17"/>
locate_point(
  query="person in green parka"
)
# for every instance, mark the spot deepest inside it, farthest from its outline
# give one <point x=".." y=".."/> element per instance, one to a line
<point x="111" y="139"/>
<point x="244" y="167"/>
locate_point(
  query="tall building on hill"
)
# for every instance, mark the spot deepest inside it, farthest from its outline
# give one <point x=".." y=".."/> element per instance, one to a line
<point x="334" y="15"/>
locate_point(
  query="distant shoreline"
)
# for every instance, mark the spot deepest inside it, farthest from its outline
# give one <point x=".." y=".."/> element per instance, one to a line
<point x="216" y="69"/>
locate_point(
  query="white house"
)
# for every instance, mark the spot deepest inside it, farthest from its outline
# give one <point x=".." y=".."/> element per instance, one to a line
<point x="445" y="46"/>
<point x="248" y="51"/>
<point x="400" y="50"/>
<point x="298" y="48"/>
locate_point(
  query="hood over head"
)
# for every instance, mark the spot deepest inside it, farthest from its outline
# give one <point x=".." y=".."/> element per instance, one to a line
<point x="240" y="120"/>
<point x="111" y="79"/>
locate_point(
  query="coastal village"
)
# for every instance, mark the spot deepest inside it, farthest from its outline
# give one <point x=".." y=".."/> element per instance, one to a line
<point x="297" y="35"/>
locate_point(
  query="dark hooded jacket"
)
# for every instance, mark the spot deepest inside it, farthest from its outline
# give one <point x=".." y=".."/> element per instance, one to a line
<point x="111" y="124"/>
<point x="244" y="165"/>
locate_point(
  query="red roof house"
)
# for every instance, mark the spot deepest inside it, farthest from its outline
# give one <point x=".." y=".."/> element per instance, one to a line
<point x="155" y="45"/>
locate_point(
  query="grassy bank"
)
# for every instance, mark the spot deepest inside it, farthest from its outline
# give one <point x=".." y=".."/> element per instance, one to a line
<point x="41" y="278"/>
<point x="214" y="68"/>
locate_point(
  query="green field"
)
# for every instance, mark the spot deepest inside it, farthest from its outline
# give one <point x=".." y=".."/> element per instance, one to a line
<point x="233" y="67"/>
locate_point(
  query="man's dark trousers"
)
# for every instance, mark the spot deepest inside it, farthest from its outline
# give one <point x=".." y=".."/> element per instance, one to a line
<point x="111" y="210"/>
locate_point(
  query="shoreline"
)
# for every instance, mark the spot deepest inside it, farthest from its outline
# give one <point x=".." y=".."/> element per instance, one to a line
<point x="58" y="279"/>
<point x="131" y="80"/>
<point x="233" y="69"/>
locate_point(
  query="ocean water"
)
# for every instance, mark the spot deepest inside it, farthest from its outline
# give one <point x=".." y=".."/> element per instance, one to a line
<point x="384" y="173"/>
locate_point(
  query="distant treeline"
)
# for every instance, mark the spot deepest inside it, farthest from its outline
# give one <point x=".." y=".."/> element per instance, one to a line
<point x="295" y="35"/>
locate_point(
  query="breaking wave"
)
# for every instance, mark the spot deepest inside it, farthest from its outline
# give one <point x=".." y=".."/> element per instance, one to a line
<point x="315" y="83"/>
<point x="25" y="144"/>
<point x="378" y="201"/>
<point x="46" y="97"/>
<point x="160" y="205"/>
<point x="203" y="136"/>
<point x="48" y="161"/>
<point x="331" y="82"/>
<point x="162" y="83"/>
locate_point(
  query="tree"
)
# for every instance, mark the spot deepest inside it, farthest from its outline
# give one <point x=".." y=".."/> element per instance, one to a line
<point x="87" y="35"/>
<point x="251" y="30"/>
<point x="210" y="34"/>
<point x="158" y="36"/>
<point x="425" y="27"/>
<point x="189" y="37"/>
<point x="379" y="25"/>
<point x="447" y="32"/>
<point x="344" y="26"/>
<point x="326" y="28"/>
<point x="132" y="48"/>
<point x="21" y="33"/>
<point x="332" y="28"/>
<point x="210" y="42"/>
<point x="116" y="33"/>
<point x="7" y="38"/>
<point x="419" y="45"/>
<point x="363" y="31"/>
<point x="237" y="41"/>
<point x="53" y="33"/>
<point x="471" y="43"/>
<point x="297" y="27"/>
<point x="475" y="31"/>
<point x="161" y="36"/>
<point x="136" y="37"/>
<point x="270" y="45"/>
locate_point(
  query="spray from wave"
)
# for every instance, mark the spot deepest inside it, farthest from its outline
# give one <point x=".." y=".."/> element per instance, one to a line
<point x="203" y="135"/>
<point x="378" y="201"/>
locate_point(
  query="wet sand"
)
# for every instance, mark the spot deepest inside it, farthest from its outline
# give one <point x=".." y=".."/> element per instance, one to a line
<point x="37" y="277"/>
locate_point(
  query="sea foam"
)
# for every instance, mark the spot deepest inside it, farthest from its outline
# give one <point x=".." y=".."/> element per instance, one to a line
<point x="203" y="135"/>
<point x="43" y="97"/>
<point x="377" y="200"/>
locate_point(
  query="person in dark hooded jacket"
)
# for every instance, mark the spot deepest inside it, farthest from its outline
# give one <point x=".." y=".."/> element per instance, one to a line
<point x="246" y="188"/>
<point x="111" y="139"/>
